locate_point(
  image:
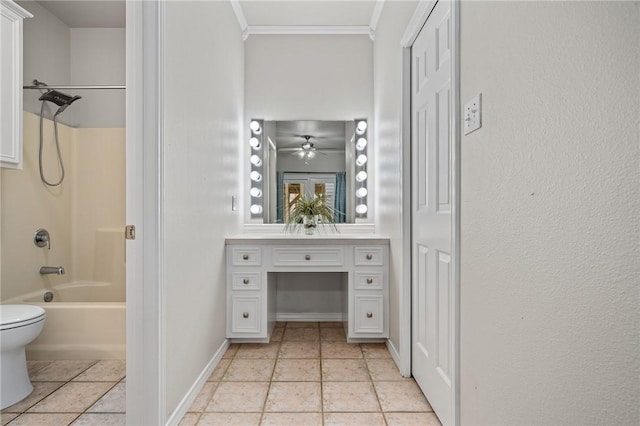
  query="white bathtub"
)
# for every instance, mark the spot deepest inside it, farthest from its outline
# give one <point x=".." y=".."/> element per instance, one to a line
<point x="85" y="320"/>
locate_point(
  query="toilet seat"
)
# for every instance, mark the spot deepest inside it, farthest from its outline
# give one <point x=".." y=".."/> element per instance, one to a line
<point x="14" y="316"/>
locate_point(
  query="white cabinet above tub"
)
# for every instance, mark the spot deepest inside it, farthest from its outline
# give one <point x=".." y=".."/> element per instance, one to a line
<point x="254" y="261"/>
<point x="11" y="16"/>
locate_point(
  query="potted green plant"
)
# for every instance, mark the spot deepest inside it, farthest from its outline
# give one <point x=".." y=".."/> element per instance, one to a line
<point x="309" y="213"/>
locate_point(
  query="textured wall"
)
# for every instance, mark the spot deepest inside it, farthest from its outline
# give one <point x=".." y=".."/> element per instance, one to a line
<point x="203" y="119"/>
<point x="308" y="77"/>
<point x="550" y="227"/>
<point x="387" y="90"/>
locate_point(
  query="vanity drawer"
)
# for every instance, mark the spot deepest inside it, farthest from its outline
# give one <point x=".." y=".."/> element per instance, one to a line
<point x="246" y="256"/>
<point x="245" y="280"/>
<point x="245" y="312"/>
<point x="368" y="315"/>
<point x="368" y="280"/>
<point x="307" y="256"/>
<point x="369" y="256"/>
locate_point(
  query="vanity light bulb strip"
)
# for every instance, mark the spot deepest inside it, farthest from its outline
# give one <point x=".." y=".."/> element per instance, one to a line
<point x="257" y="171"/>
<point x="361" y="175"/>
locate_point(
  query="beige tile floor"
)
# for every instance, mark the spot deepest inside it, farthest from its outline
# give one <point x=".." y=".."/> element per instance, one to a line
<point x="309" y="375"/>
<point x="72" y="392"/>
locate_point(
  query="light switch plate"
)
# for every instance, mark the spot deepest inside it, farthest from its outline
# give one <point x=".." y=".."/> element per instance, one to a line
<point x="473" y="114"/>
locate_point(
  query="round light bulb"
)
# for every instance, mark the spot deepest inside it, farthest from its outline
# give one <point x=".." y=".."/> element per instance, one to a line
<point x="256" y="161"/>
<point x="361" y="176"/>
<point x="255" y="176"/>
<point x="311" y="154"/>
<point x="255" y="127"/>
<point x="361" y="192"/>
<point x="361" y="160"/>
<point x="255" y="192"/>
<point x="361" y="127"/>
<point x="361" y="208"/>
<point x="256" y="209"/>
<point x="361" y="144"/>
<point x="254" y="143"/>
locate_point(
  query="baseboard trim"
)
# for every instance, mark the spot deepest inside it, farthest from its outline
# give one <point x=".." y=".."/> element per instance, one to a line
<point x="396" y="358"/>
<point x="313" y="316"/>
<point x="197" y="386"/>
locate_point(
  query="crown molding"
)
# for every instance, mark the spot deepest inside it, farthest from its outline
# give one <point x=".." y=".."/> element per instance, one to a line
<point x="423" y="10"/>
<point x="308" y="29"/>
<point x="375" y="17"/>
<point x="242" y="20"/>
<point x="13" y="10"/>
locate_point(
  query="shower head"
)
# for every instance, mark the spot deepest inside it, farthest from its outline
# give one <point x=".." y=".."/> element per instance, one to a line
<point x="61" y="99"/>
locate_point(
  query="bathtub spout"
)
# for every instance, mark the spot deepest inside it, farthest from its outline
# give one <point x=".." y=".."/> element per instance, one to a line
<point x="52" y="270"/>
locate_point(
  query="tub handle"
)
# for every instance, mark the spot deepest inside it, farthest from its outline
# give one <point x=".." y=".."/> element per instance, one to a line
<point x="41" y="238"/>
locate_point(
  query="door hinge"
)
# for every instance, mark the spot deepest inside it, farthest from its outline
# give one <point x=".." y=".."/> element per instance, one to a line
<point x="130" y="232"/>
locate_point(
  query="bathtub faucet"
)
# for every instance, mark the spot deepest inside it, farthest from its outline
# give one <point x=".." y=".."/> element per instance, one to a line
<point x="52" y="270"/>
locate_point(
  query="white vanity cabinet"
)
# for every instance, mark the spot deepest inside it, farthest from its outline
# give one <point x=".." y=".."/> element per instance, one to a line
<point x="11" y="17"/>
<point x="252" y="264"/>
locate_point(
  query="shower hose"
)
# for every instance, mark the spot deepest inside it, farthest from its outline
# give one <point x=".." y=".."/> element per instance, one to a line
<point x="55" y="129"/>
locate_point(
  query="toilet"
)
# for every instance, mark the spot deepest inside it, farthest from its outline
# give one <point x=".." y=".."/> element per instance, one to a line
<point x="19" y="326"/>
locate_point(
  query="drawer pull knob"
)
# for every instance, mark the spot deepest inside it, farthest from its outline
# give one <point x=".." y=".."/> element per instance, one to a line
<point x="369" y="280"/>
<point x="245" y="315"/>
<point x="245" y="257"/>
<point x="369" y="256"/>
<point x="246" y="281"/>
<point x="369" y="315"/>
<point x="307" y="257"/>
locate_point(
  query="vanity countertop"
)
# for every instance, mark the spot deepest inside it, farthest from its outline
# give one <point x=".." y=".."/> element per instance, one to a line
<point x="319" y="238"/>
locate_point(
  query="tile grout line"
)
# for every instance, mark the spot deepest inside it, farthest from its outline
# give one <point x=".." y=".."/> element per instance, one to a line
<point x="373" y="385"/>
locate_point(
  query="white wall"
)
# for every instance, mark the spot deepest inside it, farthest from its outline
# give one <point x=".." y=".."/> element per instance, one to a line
<point x="550" y="225"/>
<point x="59" y="55"/>
<point x="387" y="89"/>
<point x="47" y="52"/>
<point x="98" y="58"/>
<point x="204" y="118"/>
<point x="327" y="162"/>
<point x="308" y="77"/>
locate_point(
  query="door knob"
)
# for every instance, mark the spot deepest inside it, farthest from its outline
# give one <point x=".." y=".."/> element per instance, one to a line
<point x="369" y="280"/>
<point x="307" y="257"/>
<point x="246" y="281"/>
<point x="369" y="314"/>
<point x="245" y="257"/>
<point x="369" y="256"/>
<point x="245" y="315"/>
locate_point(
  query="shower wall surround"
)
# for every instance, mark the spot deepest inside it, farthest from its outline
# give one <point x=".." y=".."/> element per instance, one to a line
<point x="90" y="199"/>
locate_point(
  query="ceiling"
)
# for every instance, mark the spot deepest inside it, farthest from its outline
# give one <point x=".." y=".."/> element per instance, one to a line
<point x="325" y="135"/>
<point x="111" y="13"/>
<point x="88" y="13"/>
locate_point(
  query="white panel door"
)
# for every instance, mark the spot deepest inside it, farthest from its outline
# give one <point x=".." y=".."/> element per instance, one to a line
<point x="431" y="218"/>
